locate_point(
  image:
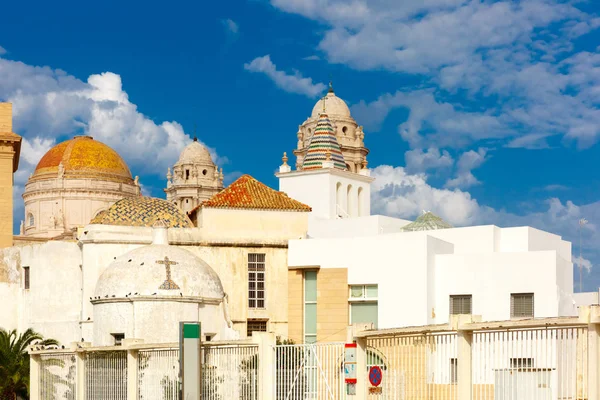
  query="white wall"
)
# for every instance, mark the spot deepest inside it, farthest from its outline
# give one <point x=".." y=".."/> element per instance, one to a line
<point x="397" y="263"/>
<point x="360" y="226"/>
<point x="52" y="304"/>
<point x="319" y="189"/>
<point x="491" y="278"/>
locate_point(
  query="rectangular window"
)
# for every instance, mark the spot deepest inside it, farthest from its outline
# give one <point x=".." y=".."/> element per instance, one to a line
<point x="521" y="305"/>
<point x="256" y="280"/>
<point x="363" y="304"/>
<point x="521" y="363"/>
<point x="460" y="304"/>
<point x="255" y="325"/>
<point x="454" y="371"/>
<point x="118" y="338"/>
<point x="26" y="278"/>
<point x="310" y="307"/>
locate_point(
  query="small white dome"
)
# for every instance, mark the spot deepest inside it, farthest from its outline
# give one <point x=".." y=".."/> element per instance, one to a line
<point x="162" y="270"/>
<point x="195" y="153"/>
<point x="333" y="106"/>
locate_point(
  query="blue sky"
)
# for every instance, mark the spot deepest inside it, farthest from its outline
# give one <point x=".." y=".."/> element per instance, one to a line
<point x="481" y="111"/>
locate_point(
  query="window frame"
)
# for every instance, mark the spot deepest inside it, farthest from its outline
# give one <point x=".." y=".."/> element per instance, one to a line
<point x="253" y="267"/>
<point x="118" y="338"/>
<point x="364" y="298"/>
<point x="257" y="322"/>
<point x="26" y="278"/>
<point x="30" y="220"/>
<point x="305" y="302"/>
<point x="461" y="297"/>
<point x="521" y="296"/>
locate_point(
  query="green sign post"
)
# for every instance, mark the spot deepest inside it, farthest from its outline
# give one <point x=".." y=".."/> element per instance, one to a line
<point x="189" y="360"/>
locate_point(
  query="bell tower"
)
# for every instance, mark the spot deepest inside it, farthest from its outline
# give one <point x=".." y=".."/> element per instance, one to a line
<point x="10" y="148"/>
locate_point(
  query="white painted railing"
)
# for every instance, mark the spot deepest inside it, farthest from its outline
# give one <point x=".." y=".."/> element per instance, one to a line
<point x="230" y="372"/>
<point x="309" y="371"/>
<point x="105" y="375"/>
<point x="158" y="374"/>
<point x="413" y="366"/>
<point x="533" y="364"/>
<point x="58" y="376"/>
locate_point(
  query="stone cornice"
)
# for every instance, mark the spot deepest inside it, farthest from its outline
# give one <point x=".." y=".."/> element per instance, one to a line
<point x="158" y="297"/>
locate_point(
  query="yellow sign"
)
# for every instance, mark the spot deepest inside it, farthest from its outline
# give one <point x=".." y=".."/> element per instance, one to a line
<point x="375" y="390"/>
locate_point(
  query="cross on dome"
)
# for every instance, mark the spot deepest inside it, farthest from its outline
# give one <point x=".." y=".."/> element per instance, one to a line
<point x="168" y="284"/>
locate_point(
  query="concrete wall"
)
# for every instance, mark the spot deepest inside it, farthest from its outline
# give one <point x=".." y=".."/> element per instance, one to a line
<point x="397" y="263"/>
<point x="326" y="189"/>
<point x="296" y="305"/>
<point x="491" y="278"/>
<point x="348" y="227"/>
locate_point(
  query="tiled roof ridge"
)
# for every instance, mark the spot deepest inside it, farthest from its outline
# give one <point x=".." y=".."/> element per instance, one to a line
<point x="247" y="192"/>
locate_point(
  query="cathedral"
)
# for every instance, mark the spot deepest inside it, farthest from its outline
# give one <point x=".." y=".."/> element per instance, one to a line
<point x="98" y="262"/>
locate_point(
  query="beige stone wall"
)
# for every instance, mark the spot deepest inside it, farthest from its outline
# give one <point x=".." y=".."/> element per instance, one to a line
<point x="8" y="141"/>
<point x="296" y="305"/>
<point x="332" y="304"/>
<point x="5" y="117"/>
<point x="232" y="224"/>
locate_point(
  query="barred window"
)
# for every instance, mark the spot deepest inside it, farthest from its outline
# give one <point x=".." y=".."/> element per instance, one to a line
<point x="256" y="280"/>
<point x="521" y="305"/>
<point x="521" y="363"/>
<point x="460" y="304"/>
<point x="454" y="371"/>
<point x="26" y="278"/>
<point x="255" y="325"/>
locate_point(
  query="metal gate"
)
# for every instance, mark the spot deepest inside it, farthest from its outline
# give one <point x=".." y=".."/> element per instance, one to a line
<point x="310" y="371"/>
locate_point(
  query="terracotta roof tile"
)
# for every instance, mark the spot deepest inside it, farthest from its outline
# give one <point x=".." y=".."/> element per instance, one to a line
<point x="246" y="192"/>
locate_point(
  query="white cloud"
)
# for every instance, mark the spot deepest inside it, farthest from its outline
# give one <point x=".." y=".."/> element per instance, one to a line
<point x="312" y="58"/>
<point x="397" y="193"/>
<point x="467" y="162"/>
<point x="2" y="51"/>
<point x="293" y="83"/>
<point x="418" y="160"/>
<point x="431" y="123"/>
<point x="520" y="54"/>
<point x="51" y="105"/>
<point x="555" y="187"/>
<point x="231" y="26"/>
<point x="583" y="262"/>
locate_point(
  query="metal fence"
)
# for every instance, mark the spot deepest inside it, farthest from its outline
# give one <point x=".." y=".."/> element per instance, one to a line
<point x="106" y="375"/>
<point x="230" y="372"/>
<point x="532" y="364"/>
<point x="413" y="367"/>
<point x="309" y="371"/>
<point x="158" y="374"/>
<point x="58" y="376"/>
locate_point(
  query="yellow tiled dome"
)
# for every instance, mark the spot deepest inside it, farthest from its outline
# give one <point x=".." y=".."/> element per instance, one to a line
<point x="143" y="211"/>
<point x="83" y="157"/>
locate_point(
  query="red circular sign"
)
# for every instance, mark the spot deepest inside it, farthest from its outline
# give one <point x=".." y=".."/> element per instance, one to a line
<point x="375" y="375"/>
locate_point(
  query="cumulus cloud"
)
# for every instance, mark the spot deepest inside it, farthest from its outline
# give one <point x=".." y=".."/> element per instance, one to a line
<point x="418" y="160"/>
<point x="2" y="50"/>
<point x="293" y="83"/>
<point x="49" y="105"/>
<point x="521" y="54"/>
<point x="431" y="122"/>
<point x="467" y="162"/>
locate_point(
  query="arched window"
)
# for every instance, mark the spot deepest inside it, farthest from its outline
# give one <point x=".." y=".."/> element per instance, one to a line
<point x="338" y="200"/>
<point x="344" y="130"/>
<point x="349" y="202"/>
<point x="30" y="219"/>
<point x="361" y="202"/>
